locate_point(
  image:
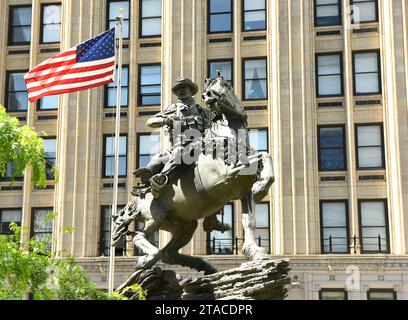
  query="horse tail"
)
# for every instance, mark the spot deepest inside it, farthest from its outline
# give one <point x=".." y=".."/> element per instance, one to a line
<point x="123" y="218"/>
<point x="265" y="178"/>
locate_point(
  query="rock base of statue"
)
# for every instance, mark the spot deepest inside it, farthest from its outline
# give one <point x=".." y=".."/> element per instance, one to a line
<point x="253" y="280"/>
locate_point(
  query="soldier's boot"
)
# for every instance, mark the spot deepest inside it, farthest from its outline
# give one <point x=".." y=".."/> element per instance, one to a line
<point x="144" y="174"/>
<point x="212" y="223"/>
<point x="157" y="183"/>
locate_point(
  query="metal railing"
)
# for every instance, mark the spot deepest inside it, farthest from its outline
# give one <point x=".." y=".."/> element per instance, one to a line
<point x="331" y="245"/>
<point x="230" y="246"/>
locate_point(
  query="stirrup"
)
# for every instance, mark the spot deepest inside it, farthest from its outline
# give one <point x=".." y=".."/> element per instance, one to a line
<point x="144" y="173"/>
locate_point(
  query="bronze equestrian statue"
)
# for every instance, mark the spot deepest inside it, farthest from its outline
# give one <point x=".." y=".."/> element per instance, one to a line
<point x="224" y="169"/>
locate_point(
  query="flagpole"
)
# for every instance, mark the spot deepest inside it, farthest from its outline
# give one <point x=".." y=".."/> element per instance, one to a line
<point x="118" y="26"/>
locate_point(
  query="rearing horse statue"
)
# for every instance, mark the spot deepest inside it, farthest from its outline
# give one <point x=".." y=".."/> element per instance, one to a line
<point x="203" y="188"/>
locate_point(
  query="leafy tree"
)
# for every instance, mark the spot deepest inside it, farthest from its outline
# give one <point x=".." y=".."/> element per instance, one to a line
<point x="46" y="278"/>
<point x="22" y="146"/>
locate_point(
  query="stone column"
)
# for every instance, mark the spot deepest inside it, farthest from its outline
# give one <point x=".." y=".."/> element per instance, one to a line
<point x="349" y="107"/>
<point x="394" y="67"/>
<point x="27" y="185"/>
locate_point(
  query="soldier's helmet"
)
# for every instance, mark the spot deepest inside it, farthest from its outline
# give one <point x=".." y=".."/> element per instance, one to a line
<point x="180" y="82"/>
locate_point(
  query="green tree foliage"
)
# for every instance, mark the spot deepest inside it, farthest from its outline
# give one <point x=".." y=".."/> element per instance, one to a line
<point x="23" y="146"/>
<point x="46" y="278"/>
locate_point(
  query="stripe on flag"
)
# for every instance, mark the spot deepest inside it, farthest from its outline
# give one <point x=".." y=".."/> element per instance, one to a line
<point x="88" y="65"/>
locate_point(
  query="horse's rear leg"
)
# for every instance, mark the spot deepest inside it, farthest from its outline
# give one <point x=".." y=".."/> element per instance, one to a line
<point x="182" y="232"/>
<point x="250" y="248"/>
<point x="152" y="253"/>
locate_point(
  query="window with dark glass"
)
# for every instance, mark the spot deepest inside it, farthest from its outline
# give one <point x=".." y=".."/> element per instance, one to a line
<point x="258" y="139"/>
<point x="148" y="147"/>
<point x="50" y="153"/>
<point x="223" y="243"/>
<point x="149" y="85"/>
<point x="364" y="11"/>
<point x="254" y="15"/>
<point x="255" y="79"/>
<point x="16" y="94"/>
<point x="111" y="90"/>
<point x="262" y="226"/>
<point x="109" y="157"/>
<point x="106" y="222"/>
<point x="332" y="294"/>
<point x="334" y="227"/>
<point x="48" y="103"/>
<point x="381" y="294"/>
<point x="327" y="12"/>
<point x="150" y="18"/>
<point x="41" y="227"/>
<point x="8" y="216"/>
<point x="19" y="25"/>
<point x="220" y="19"/>
<point x="367" y="76"/>
<point x="329" y="75"/>
<point x="370" y="147"/>
<point x="373" y="226"/>
<point x="332" y="151"/>
<point x="9" y="173"/>
<point x="225" y="66"/>
<point x="114" y="11"/>
<point x="51" y="23"/>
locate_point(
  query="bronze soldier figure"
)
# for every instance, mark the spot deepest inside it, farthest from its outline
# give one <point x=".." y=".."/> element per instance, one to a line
<point x="183" y="115"/>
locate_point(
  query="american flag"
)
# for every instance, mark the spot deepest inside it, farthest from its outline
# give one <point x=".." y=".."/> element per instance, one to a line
<point x="88" y="65"/>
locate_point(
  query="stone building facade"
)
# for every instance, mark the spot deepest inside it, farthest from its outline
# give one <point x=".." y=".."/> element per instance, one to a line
<point x="325" y="86"/>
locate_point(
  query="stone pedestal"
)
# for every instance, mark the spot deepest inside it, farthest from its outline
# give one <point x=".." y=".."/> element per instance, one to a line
<point x="254" y="280"/>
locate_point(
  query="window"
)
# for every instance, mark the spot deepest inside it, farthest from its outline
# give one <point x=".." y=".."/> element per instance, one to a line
<point x="50" y="148"/>
<point x="255" y="79"/>
<point x="41" y="225"/>
<point x="220" y="16"/>
<point x="373" y="226"/>
<point x="223" y="243"/>
<point x="258" y="139"/>
<point x="370" y="147"/>
<point x="110" y="90"/>
<point x="106" y="223"/>
<point x="262" y="229"/>
<point x="332" y="149"/>
<point x="109" y="157"/>
<point x="381" y="294"/>
<point x="19" y="25"/>
<point x="254" y="15"/>
<point x="50" y="23"/>
<point x="225" y="66"/>
<point x="150" y="18"/>
<point x="8" y="216"/>
<point x="113" y="12"/>
<point x="16" y="95"/>
<point x="327" y="13"/>
<point x="48" y="103"/>
<point x="148" y="147"/>
<point x="149" y="85"/>
<point x="364" y="11"/>
<point x="367" y="76"/>
<point x="332" y="294"/>
<point x="329" y="75"/>
<point x="334" y="226"/>
<point x="9" y="173"/>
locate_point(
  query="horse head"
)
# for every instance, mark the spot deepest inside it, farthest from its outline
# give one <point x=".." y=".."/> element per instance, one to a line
<point x="220" y="97"/>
